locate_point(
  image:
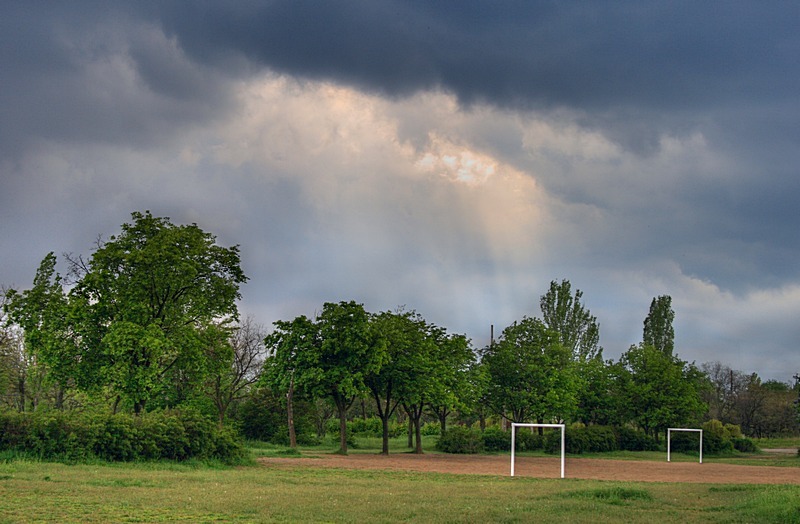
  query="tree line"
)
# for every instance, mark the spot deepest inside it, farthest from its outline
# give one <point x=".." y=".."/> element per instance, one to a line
<point x="150" y="321"/>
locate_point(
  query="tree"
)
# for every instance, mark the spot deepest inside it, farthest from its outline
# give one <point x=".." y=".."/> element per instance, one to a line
<point x="329" y="356"/>
<point x="144" y="307"/>
<point x="289" y="343"/>
<point x="658" y="331"/>
<point x="43" y="312"/>
<point x="403" y="333"/>
<point x="726" y="385"/>
<point x="565" y="315"/>
<point x="659" y="390"/>
<point x="452" y="390"/>
<point x="530" y="376"/>
<point x="239" y="360"/>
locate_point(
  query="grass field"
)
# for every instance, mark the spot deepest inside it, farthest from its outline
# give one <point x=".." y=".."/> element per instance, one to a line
<point x="33" y="491"/>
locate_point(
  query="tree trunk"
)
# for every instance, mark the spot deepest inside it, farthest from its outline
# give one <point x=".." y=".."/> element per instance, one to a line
<point x="341" y="407"/>
<point x="418" y="432"/>
<point x="385" y="423"/>
<point x="410" y="430"/>
<point x="414" y="419"/>
<point x="290" y="414"/>
<point x="442" y="414"/>
<point x="21" y="390"/>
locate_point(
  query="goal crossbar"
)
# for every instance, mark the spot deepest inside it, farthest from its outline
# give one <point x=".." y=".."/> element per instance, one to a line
<point x="515" y="425"/>
<point x="669" y="435"/>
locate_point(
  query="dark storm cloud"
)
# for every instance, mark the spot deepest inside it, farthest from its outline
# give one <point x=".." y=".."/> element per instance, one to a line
<point x="591" y="55"/>
<point x="108" y="107"/>
<point x="633" y="70"/>
<point x="94" y="72"/>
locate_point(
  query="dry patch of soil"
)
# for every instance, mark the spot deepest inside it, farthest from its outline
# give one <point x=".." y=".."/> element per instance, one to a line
<point x="545" y="467"/>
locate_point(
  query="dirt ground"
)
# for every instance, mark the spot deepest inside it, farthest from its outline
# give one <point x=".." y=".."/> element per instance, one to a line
<point x="583" y="468"/>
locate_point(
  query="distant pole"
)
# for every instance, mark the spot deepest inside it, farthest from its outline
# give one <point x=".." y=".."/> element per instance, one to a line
<point x="491" y="336"/>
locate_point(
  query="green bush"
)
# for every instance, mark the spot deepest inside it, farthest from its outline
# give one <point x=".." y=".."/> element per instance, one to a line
<point x="495" y="439"/>
<point x="528" y="441"/>
<point x="629" y="439"/>
<point x="370" y="427"/>
<point x="582" y="439"/>
<point x="460" y="439"/>
<point x="600" y="439"/>
<point x="430" y="428"/>
<point x="744" y="445"/>
<point x="159" y="435"/>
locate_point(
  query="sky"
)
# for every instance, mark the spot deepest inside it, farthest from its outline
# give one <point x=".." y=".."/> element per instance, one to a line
<point x="452" y="158"/>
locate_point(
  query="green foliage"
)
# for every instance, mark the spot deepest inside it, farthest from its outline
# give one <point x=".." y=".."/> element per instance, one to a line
<point x="460" y="439"/>
<point x="588" y="439"/>
<point x="430" y="428"/>
<point x="74" y="436"/>
<point x="576" y="327"/>
<point x="327" y="357"/>
<point x="658" y="390"/>
<point x="143" y="309"/>
<point x="530" y="374"/>
<point x="629" y="439"/>
<point x="658" y="330"/>
<point x="370" y="427"/>
<point x="495" y="439"/>
<point x="744" y="445"/>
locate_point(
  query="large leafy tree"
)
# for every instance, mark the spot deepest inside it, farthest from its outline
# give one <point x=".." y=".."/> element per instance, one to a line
<point x="659" y="390"/>
<point x="530" y="374"/>
<point x="407" y="352"/>
<point x="454" y="388"/>
<point x="143" y="310"/>
<point x="658" y="330"/>
<point x="327" y="357"/>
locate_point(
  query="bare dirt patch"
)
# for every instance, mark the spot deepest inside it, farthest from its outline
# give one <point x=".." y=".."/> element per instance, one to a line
<point x="545" y="467"/>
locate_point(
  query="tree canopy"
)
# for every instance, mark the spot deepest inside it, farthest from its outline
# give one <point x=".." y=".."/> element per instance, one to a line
<point x="577" y="328"/>
<point x="143" y="309"/>
<point x="658" y="330"/>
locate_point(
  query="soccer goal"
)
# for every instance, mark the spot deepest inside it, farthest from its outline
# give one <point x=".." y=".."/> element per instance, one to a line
<point x="669" y="435"/>
<point x="515" y="425"/>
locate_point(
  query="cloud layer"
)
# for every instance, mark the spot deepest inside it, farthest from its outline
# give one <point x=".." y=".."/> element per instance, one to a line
<point x="408" y="153"/>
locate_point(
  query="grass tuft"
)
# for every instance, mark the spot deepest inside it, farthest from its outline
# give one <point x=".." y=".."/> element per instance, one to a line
<point x="617" y="495"/>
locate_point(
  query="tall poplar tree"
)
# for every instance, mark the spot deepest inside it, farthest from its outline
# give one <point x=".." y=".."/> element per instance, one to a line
<point x="658" y="330"/>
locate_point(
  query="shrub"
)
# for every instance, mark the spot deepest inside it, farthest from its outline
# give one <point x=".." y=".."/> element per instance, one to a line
<point x="744" y="445"/>
<point x="370" y="427"/>
<point x="528" y="441"/>
<point x="430" y="428"/>
<point x="159" y="435"/>
<point x="734" y="430"/>
<point x="600" y="439"/>
<point x="460" y="439"/>
<point x="629" y="439"/>
<point x="583" y="439"/>
<point x="495" y="439"/>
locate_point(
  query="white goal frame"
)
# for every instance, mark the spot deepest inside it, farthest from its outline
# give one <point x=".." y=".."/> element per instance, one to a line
<point x="515" y="425"/>
<point x="669" y="435"/>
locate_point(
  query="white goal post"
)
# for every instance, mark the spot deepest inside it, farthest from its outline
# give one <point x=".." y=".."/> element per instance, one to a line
<point x="669" y="435"/>
<point x="515" y="425"/>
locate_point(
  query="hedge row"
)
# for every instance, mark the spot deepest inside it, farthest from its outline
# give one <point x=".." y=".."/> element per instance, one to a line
<point x="718" y="439"/>
<point x="77" y="436"/>
<point x="460" y="439"/>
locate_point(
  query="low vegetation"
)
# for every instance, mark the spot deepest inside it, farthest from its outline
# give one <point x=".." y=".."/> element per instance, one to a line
<point x="169" y="492"/>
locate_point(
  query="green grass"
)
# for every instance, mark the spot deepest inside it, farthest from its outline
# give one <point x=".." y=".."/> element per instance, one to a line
<point x="49" y="492"/>
<point x="783" y="442"/>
